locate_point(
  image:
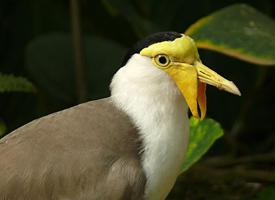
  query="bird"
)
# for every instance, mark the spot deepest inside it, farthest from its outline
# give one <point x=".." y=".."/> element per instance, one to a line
<point x="128" y="146"/>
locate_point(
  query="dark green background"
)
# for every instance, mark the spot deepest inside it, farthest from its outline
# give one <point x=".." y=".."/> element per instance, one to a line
<point x="35" y="42"/>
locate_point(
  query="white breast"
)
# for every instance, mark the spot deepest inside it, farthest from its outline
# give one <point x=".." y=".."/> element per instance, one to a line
<point x="151" y="98"/>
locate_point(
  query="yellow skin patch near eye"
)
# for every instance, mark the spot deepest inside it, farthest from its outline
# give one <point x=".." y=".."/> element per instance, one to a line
<point x="182" y="49"/>
<point x="186" y="69"/>
<point x="186" y="80"/>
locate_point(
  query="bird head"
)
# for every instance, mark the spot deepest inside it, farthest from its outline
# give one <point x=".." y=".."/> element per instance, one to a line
<point x="179" y="58"/>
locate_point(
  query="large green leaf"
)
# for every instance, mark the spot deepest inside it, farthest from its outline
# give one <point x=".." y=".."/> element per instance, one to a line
<point x="11" y="83"/>
<point x="239" y="31"/>
<point x="203" y="134"/>
<point x="50" y="61"/>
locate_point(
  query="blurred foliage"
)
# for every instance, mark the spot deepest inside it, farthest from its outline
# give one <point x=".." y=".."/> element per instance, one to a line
<point x="49" y="60"/>
<point x="35" y="42"/>
<point x="2" y="128"/>
<point x="267" y="194"/>
<point x="203" y="133"/>
<point x="10" y="83"/>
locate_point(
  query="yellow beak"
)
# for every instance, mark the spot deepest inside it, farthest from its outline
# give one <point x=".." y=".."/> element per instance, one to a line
<point x="206" y="75"/>
<point x="191" y="81"/>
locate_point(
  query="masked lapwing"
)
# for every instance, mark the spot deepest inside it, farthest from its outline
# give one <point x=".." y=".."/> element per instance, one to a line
<point x="128" y="146"/>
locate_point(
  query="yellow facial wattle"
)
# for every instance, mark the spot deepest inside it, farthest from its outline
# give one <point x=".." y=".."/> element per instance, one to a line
<point x="180" y="60"/>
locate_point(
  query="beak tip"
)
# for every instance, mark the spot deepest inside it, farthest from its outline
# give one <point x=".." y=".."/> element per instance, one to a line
<point x="230" y="87"/>
<point x="239" y="93"/>
<point x="235" y="90"/>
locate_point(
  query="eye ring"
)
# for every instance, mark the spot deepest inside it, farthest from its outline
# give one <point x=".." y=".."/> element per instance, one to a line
<point x="162" y="60"/>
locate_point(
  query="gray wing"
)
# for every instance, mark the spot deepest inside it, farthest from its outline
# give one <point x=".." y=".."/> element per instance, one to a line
<point x="75" y="154"/>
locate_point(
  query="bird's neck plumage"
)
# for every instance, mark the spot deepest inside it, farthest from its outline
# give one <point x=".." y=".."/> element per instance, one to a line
<point x="153" y="102"/>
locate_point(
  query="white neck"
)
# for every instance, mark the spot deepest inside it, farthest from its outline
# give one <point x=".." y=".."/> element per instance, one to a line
<point x="150" y="97"/>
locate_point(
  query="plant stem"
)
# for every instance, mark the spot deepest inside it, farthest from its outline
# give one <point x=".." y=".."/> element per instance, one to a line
<point x="80" y="64"/>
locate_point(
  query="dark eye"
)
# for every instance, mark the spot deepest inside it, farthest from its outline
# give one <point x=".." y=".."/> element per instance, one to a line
<point x="162" y="60"/>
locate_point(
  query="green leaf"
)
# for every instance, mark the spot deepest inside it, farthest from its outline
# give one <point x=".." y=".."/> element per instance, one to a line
<point x="11" y="83"/>
<point x="203" y="134"/>
<point x="3" y="128"/>
<point x="50" y="62"/>
<point x="267" y="193"/>
<point x="239" y="31"/>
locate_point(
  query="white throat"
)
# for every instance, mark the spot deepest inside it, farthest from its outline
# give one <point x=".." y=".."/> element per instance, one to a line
<point x="150" y="97"/>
